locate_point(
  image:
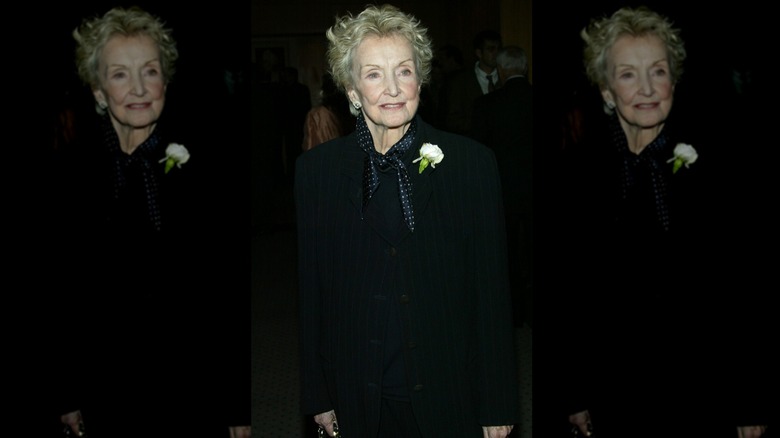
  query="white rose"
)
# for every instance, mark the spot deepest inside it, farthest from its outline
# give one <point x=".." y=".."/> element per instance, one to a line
<point x="686" y="153"/>
<point x="429" y="154"/>
<point x="175" y="155"/>
<point x="432" y="153"/>
<point x="179" y="153"/>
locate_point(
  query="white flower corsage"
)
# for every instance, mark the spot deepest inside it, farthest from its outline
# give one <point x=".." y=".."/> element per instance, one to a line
<point x="175" y="154"/>
<point x="429" y="154"/>
<point x="684" y="154"/>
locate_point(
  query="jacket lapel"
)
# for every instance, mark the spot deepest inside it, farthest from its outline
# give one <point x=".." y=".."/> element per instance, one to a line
<point x="421" y="182"/>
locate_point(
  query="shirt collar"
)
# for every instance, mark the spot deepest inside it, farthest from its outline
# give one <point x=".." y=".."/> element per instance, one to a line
<point x="483" y="76"/>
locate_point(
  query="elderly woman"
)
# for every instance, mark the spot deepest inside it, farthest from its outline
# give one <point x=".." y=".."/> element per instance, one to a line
<point x="156" y="344"/>
<point x="640" y="194"/>
<point x="405" y="312"/>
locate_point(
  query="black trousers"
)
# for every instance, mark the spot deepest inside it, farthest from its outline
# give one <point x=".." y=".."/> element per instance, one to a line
<point x="396" y="420"/>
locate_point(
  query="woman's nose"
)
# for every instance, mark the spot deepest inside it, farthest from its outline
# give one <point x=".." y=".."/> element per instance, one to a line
<point x="392" y="86"/>
<point x="646" y="85"/>
<point x="138" y="87"/>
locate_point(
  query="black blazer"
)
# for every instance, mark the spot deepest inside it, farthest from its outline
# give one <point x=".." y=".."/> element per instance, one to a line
<point x="453" y="299"/>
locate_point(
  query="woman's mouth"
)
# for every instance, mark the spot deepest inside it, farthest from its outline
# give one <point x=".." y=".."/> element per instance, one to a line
<point x="646" y="106"/>
<point x="392" y="106"/>
<point x="138" y="106"/>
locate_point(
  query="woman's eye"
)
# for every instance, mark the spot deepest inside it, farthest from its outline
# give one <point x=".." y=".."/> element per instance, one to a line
<point x="626" y="75"/>
<point x="406" y="72"/>
<point x="660" y="72"/>
<point x="118" y="75"/>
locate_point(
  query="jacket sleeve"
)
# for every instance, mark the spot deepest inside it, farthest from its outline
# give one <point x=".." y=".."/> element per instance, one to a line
<point x="314" y="396"/>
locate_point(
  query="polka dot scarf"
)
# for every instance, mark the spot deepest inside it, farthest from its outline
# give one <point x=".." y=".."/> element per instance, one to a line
<point x="392" y="159"/>
<point x="652" y="162"/>
<point x="143" y="162"/>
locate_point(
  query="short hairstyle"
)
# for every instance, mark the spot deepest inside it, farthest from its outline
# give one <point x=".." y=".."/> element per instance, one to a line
<point x="600" y="35"/>
<point x="513" y="58"/>
<point x="382" y="21"/>
<point x="92" y="36"/>
<point x="484" y="36"/>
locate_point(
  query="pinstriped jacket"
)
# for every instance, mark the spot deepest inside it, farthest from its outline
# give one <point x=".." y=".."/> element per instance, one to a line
<point x="455" y="310"/>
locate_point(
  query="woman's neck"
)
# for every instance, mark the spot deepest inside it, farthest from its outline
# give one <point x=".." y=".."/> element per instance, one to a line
<point x="131" y="138"/>
<point x="384" y="137"/>
<point x="638" y="138"/>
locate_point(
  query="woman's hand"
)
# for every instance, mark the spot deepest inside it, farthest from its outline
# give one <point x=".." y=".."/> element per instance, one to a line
<point x="581" y="420"/>
<point x="496" y="431"/>
<point x="751" y="431"/>
<point x="327" y="421"/>
<point x="240" y="431"/>
<point x="74" y="421"/>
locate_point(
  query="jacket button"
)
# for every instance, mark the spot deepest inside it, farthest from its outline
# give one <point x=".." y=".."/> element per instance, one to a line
<point x="417" y="387"/>
<point x="403" y="299"/>
<point x="392" y="251"/>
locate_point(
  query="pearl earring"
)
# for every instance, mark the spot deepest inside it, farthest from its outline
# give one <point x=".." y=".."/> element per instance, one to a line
<point x="357" y="105"/>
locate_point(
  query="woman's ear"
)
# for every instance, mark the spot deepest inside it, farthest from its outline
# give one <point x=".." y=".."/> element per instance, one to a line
<point x="354" y="97"/>
<point x="100" y="98"/>
<point x="609" y="98"/>
<point x="354" y="100"/>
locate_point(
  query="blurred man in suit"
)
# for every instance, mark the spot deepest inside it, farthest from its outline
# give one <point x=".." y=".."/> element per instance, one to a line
<point x="465" y="87"/>
<point x="503" y="121"/>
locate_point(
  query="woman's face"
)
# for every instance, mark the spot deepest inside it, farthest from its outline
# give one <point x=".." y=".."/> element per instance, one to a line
<point x="640" y="83"/>
<point x="386" y="83"/>
<point x="131" y="81"/>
